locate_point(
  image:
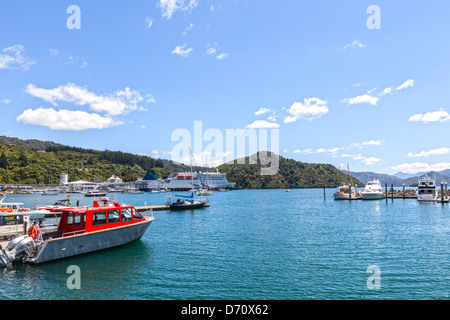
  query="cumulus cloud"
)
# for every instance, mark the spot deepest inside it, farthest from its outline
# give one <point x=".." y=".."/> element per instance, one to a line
<point x="310" y="109"/>
<point x="111" y="106"/>
<point x="262" y="111"/>
<point x="434" y="152"/>
<point x="354" y="44"/>
<point x="369" y="161"/>
<point x="365" y="98"/>
<point x="263" y="124"/>
<point x="117" y="103"/>
<point x="435" y="116"/>
<point x="408" y="83"/>
<point x="182" y="51"/>
<point x="420" y="167"/>
<point x="169" y="7"/>
<point x="14" y="59"/>
<point x="66" y="119"/>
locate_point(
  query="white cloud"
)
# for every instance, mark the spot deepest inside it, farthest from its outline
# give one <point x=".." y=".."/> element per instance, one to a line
<point x="434" y="152"/>
<point x="420" y="167"/>
<point x="13" y="58"/>
<point x="310" y="109"/>
<point x="263" y="124"/>
<point x="385" y="92"/>
<point x="435" y="116"/>
<point x="369" y="161"/>
<point x="6" y="101"/>
<point x="188" y="28"/>
<point x="262" y="111"/>
<point x="68" y="59"/>
<point x="66" y="119"/>
<point x="408" y="83"/>
<point x="169" y="7"/>
<point x="222" y="56"/>
<point x="148" y="22"/>
<point x="354" y="44"/>
<point x="117" y="103"/>
<point x="365" y="98"/>
<point x="210" y="50"/>
<point x="181" y="51"/>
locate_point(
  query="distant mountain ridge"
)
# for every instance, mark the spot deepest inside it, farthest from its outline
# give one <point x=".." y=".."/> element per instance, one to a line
<point x="397" y="180"/>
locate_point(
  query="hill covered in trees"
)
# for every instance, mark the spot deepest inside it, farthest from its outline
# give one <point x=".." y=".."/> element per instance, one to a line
<point x="36" y="162"/>
<point x="290" y="174"/>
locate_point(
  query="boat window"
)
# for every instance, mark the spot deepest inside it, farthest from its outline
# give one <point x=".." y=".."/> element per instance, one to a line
<point x="126" y="214"/>
<point x="136" y="215"/>
<point x="69" y="218"/>
<point x="113" y="216"/>
<point x="77" y="219"/>
<point x="98" y="218"/>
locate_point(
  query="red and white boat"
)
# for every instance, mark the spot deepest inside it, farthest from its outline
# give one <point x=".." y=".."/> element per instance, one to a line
<point x="105" y="225"/>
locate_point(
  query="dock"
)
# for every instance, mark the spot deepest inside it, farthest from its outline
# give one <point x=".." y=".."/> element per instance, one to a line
<point x="163" y="207"/>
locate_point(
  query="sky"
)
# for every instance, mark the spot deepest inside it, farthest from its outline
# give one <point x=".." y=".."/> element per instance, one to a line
<point x="363" y="84"/>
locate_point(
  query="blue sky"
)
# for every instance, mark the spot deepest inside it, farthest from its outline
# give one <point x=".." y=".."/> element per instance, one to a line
<point x="337" y="91"/>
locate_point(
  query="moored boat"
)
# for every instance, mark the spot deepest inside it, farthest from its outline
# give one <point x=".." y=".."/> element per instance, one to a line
<point x="346" y="192"/>
<point x="426" y="190"/>
<point x="186" y="203"/>
<point x="372" y="191"/>
<point x="81" y="230"/>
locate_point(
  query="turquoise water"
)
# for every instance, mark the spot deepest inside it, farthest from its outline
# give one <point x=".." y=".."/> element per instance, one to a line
<point x="259" y="244"/>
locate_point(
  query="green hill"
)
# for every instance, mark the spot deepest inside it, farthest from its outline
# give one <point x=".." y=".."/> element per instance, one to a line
<point x="35" y="161"/>
<point x="291" y="174"/>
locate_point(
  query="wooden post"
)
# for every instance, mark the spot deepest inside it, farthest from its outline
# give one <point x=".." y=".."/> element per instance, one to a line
<point x="442" y="191"/>
<point x="349" y="191"/>
<point x="392" y="192"/>
<point x="324" y="198"/>
<point x="445" y="195"/>
<point x="404" y="195"/>
<point x="387" y="195"/>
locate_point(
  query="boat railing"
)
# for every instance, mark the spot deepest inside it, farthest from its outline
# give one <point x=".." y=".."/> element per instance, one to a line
<point x="73" y="233"/>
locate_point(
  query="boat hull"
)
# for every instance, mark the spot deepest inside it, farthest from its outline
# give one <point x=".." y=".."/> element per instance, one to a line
<point x="372" y="195"/>
<point x="186" y="206"/>
<point x="65" y="247"/>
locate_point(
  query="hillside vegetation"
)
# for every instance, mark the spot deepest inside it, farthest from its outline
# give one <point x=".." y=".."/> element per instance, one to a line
<point x="291" y="174"/>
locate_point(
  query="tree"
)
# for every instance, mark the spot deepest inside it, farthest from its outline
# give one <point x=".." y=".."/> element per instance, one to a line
<point x="4" y="161"/>
<point x="23" y="159"/>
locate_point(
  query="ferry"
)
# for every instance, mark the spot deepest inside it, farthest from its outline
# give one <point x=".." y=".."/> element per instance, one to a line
<point x="185" y="181"/>
<point x="81" y="230"/>
<point x="372" y="191"/>
<point x="426" y="190"/>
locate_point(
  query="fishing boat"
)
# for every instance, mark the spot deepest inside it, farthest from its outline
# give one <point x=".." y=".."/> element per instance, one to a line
<point x="203" y="192"/>
<point x="186" y="203"/>
<point x="346" y="192"/>
<point x="95" y="193"/>
<point x="426" y="190"/>
<point x="372" y="191"/>
<point x="57" y="206"/>
<point x="81" y="230"/>
<point x="10" y="207"/>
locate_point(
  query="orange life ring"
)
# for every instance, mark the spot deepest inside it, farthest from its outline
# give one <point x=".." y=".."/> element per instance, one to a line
<point x="33" y="232"/>
<point x="24" y="210"/>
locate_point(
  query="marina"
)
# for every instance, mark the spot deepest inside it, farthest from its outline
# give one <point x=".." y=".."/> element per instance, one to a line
<point x="303" y="248"/>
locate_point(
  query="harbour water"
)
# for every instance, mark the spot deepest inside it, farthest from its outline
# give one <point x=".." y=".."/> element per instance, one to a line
<point x="258" y="244"/>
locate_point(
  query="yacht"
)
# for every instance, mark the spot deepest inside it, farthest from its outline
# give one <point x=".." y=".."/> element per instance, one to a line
<point x="372" y="191"/>
<point x="426" y="190"/>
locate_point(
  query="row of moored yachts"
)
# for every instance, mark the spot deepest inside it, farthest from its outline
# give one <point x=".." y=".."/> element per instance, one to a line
<point x="426" y="191"/>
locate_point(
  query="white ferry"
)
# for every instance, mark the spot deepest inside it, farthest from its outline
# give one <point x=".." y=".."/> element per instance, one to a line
<point x="185" y="181"/>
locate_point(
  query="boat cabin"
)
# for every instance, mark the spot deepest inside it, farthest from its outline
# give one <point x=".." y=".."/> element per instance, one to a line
<point x="104" y="214"/>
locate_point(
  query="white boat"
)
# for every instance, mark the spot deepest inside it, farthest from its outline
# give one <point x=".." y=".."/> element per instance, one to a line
<point x="372" y="191"/>
<point x="343" y="193"/>
<point x="426" y="190"/>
